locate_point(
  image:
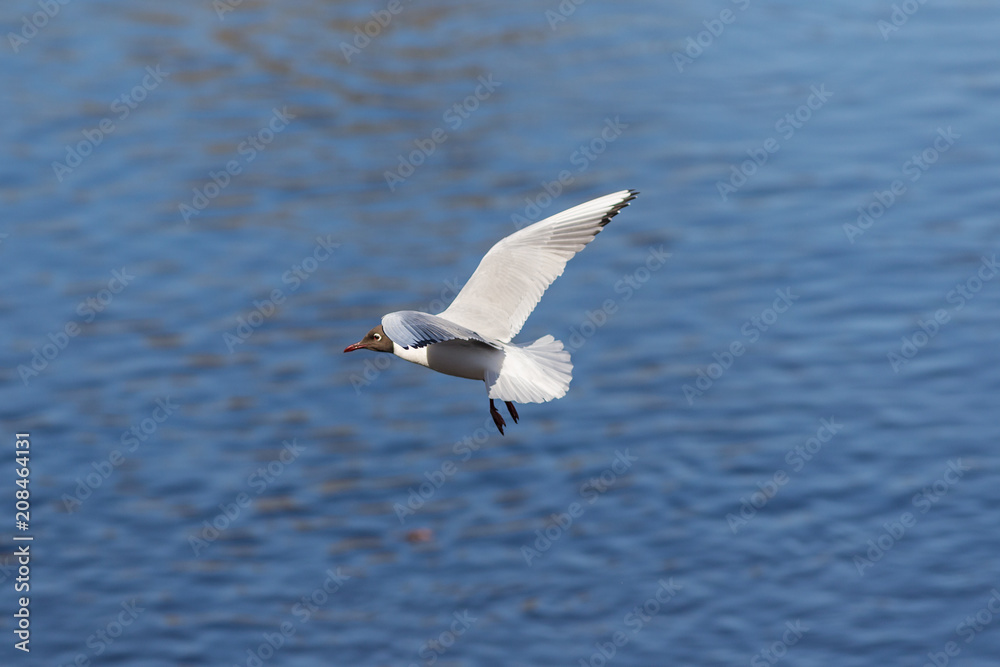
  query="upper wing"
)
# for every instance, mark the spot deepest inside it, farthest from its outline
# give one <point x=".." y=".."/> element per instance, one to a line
<point x="411" y="328"/>
<point x="514" y="274"/>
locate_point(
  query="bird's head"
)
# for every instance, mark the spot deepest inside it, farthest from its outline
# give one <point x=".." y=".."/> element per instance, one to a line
<point x="375" y="340"/>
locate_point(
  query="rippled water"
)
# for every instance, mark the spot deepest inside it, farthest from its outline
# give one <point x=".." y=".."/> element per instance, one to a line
<point x="780" y="441"/>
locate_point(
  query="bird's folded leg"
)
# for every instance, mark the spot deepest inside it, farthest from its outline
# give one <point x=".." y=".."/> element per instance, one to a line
<point x="511" y="410"/>
<point x="497" y="418"/>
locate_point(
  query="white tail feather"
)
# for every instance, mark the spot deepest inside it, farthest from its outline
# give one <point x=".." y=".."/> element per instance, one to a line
<point x="532" y="373"/>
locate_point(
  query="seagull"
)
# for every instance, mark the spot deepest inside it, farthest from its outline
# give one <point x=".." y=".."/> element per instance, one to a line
<point x="471" y="337"/>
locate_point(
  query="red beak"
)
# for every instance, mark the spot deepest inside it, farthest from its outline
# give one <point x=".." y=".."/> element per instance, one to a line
<point x="356" y="346"/>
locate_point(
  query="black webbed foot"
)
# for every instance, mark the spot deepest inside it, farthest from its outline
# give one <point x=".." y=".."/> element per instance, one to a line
<point x="511" y="410"/>
<point x="497" y="417"/>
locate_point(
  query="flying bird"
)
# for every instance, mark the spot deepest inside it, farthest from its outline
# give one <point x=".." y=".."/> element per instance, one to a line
<point x="471" y="337"/>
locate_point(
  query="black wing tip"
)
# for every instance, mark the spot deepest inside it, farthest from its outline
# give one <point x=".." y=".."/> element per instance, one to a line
<point x="632" y="194"/>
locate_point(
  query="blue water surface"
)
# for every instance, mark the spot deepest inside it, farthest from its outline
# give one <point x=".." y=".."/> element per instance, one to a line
<point x="780" y="443"/>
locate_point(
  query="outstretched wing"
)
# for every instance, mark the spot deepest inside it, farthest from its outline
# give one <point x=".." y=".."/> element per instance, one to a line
<point x="512" y="277"/>
<point x="411" y="328"/>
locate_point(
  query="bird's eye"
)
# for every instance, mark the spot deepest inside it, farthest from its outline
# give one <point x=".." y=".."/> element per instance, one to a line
<point x="378" y="336"/>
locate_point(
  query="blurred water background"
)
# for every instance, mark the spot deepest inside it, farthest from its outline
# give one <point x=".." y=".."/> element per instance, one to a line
<point x="780" y="444"/>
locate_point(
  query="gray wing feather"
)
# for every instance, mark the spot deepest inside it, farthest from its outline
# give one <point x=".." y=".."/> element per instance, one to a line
<point x="512" y="277"/>
<point x="413" y="329"/>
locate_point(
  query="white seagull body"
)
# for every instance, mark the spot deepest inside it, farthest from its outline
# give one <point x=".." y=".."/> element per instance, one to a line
<point x="471" y="338"/>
